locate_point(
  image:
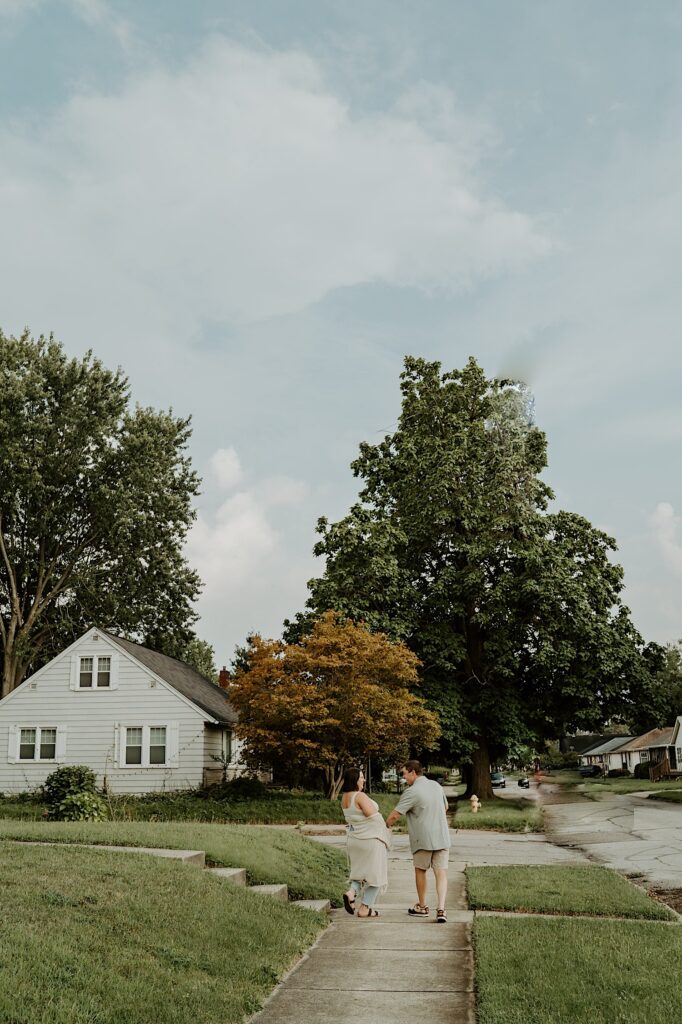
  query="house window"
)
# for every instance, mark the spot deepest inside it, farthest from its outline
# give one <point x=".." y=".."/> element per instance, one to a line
<point x="134" y="746"/>
<point x="644" y="756"/>
<point x="146" y="745"/>
<point x="39" y="744"/>
<point x="104" y="671"/>
<point x="157" y="745"/>
<point x="85" y="675"/>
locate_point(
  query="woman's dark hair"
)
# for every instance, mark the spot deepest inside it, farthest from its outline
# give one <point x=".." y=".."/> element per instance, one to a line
<point x="350" y="780"/>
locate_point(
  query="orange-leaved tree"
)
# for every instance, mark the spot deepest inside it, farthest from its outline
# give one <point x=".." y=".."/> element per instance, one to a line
<point x="328" y="702"/>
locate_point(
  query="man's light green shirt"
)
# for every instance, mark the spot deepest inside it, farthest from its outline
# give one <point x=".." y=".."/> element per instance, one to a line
<point x="424" y="805"/>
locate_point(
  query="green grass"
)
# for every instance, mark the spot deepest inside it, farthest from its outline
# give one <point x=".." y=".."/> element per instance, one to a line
<point x="566" y="777"/>
<point x="675" y="795"/>
<point x="310" y="869"/>
<point x="90" y="937"/>
<point x="597" y="787"/>
<point x="500" y="815"/>
<point x="276" y="809"/>
<point x="560" y="890"/>
<point x="576" y="971"/>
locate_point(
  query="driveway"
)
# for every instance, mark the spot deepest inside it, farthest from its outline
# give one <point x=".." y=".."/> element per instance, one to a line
<point x="626" y="832"/>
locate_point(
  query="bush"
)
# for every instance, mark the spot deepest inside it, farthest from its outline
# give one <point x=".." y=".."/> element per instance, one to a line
<point x="244" y="787"/>
<point x="80" y="807"/>
<point x="65" y="787"/>
<point x="618" y="773"/>
<point x="642" y="770"/>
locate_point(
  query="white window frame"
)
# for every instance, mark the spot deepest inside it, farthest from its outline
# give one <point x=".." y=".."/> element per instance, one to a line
<point x="95" y="655"/>
<point x="644" y="755"/>
<point x="14" y="743"/>
<point x="172" y="733"/>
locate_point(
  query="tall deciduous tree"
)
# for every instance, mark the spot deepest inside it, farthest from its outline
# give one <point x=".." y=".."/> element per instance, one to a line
<point x="328" y="702"/>
<point x="514" y="613"/>
<point x="95" y="504"/>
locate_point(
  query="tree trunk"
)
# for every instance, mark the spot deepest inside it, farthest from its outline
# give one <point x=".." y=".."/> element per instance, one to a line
<point x="479" y="781"/>
<point x="333" y="780"/>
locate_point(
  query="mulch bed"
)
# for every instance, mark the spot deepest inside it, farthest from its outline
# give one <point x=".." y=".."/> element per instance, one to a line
<point x="672" y="897"/>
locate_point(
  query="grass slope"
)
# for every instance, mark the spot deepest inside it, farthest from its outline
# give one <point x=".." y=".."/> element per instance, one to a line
<point x="91" y="937"/>
<point x="674" y="795"/>
<point x="577" y="971"/>
<point x="560" y="890"/>
<point x="310" y="869"/>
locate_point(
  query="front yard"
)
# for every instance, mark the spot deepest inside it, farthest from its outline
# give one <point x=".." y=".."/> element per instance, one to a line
<point x="91" y="937"/>
<point x="500" y="815"/>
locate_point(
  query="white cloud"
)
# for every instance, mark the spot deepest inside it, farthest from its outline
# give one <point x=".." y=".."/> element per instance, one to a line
<point x="237" y="188"/>
<point x="666" y="525"/>
<point x="226" y="468"/>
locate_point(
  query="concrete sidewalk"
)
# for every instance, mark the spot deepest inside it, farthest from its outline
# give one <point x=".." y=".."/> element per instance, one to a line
<point x="393" y="969"/>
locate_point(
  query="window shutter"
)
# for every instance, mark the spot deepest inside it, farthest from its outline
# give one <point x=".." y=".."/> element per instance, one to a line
<point x="60" y="747"/>
<point x="173" y="744"/>
<point x="119" y="746"/>
<point x="75" y="666"/>
<point x="13" y="744"/>
<point x="113" y="681"/>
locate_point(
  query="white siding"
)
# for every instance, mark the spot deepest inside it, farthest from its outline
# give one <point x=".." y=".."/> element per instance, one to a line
<point x="91" y="718"/>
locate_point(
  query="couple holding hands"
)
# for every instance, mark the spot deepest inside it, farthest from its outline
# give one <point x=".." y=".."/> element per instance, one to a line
<point x="424" y="804"/>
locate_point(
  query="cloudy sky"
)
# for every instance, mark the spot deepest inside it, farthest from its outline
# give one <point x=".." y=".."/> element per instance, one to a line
<point x="258" y="208"/>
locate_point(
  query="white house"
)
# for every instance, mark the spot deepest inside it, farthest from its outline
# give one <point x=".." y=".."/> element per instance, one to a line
<point x="606" y="754"/>
<point x="142" y="721"/>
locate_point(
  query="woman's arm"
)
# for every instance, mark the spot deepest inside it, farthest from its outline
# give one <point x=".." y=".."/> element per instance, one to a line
<point x="365" y="804"/>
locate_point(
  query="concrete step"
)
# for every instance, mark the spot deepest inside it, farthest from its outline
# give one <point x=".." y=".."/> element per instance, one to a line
<point x="237" y="876"/>
<point x="322" y="906"/>
<point x="276" y="892"/>
<point x="195" y="857"/>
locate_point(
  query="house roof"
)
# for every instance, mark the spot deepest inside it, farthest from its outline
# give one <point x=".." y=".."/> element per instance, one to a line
<point x="610" y="746"/>
<point x="581" y="744"/>
<point x="653" y="738"/>
<point x="183" y="678"/>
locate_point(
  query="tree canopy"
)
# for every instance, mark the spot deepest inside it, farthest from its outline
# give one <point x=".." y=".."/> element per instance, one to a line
<point x="514" y="611"/>
<point x="95" y="505"/>
<point x="327" y="702"/>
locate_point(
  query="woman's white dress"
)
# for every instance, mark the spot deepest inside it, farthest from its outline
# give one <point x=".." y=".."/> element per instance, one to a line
<point x="368" y="844"/>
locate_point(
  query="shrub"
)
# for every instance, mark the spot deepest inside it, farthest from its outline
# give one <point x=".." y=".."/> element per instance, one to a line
<point x="642" y="770"/>
<point x="244" y="787"/>
<point x="71" y="780"/>
<point x="618" y="773"/>
<point x="80" y="807"/>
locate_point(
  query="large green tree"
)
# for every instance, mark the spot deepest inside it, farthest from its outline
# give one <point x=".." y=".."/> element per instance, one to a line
<point x="514" y="612"/>
<point x="95" y="504"/>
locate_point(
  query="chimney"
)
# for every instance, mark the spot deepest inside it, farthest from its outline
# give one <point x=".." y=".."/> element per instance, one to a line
<point x="224" y="679"/>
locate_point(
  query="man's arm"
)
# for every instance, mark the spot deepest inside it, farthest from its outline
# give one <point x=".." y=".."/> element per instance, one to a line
<point x="392" y="818"/>
<point x="407" y="800"/>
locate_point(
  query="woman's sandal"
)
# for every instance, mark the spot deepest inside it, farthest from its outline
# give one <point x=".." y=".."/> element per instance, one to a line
<point x="419" y="911"/>
<point x="441" y="917"/>
<point x="371" y="912"/>
<point x="348" y="903"/>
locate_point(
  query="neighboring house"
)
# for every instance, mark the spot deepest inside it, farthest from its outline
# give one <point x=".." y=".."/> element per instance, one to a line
<point x="637" y="751"/>
<point x="606" y="754"/>
<point x="142" y="721"/>
<point x="665" y="754"/>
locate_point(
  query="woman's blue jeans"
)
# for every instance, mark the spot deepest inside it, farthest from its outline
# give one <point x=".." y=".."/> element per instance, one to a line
<point x="370" y="894"/>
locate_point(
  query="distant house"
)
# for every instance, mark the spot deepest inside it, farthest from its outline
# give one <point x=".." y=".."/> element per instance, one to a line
<point x="661" y="749"/>
<point x="606" y="753"/>
<point x="142" y="721"/>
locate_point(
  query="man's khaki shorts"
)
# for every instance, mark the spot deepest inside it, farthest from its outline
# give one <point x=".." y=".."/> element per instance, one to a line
<point x="436" y="859"/>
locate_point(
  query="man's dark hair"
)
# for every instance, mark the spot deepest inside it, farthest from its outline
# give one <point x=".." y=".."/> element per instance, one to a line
<point x="350" y="780"/>
<point x="414" y="766"/>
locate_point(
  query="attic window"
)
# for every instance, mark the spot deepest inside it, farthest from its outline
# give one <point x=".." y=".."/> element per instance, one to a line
<point x="94" y="671"/>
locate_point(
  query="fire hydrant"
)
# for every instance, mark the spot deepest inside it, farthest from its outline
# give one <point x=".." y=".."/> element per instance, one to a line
<point x="475" y="804"/>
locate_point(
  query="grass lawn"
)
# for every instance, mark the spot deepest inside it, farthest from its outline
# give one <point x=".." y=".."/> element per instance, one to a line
<point x="597" y="787"/>
<point x="500" y="815"/>
<point x="95" y="938"/>
<point x="310" y="869"/>
<point x="563" y="778"/>
<point x="577" y="971"/>
<point x="560" y="890"/>
<point x="276" y="809"/>
<point x="675" y="795"/>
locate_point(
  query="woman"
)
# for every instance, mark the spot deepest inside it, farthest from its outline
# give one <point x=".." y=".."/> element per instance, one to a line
<point x="368" y="844"/>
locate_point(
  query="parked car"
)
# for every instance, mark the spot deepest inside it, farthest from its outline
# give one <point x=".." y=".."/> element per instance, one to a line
<point x="498" y="780"/>
<point x="524" y="782"/>
<point x="590" y="771"/>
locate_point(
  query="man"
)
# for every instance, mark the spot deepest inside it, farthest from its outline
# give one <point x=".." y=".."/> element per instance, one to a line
<point x="425" y="805"/>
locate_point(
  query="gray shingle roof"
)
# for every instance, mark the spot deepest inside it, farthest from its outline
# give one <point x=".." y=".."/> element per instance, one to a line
<point x="609" y="747"/>
<point x="183" y="678"/>
<point x="653" y="738"/>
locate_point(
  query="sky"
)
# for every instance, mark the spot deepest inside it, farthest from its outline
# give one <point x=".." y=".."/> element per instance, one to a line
<point x="258" y="208"/>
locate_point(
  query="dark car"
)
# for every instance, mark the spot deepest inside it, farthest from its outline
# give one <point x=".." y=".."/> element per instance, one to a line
<point x="590" y="771"/>
<point x="498" y="780"/>
<point x="524" y="782"/>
